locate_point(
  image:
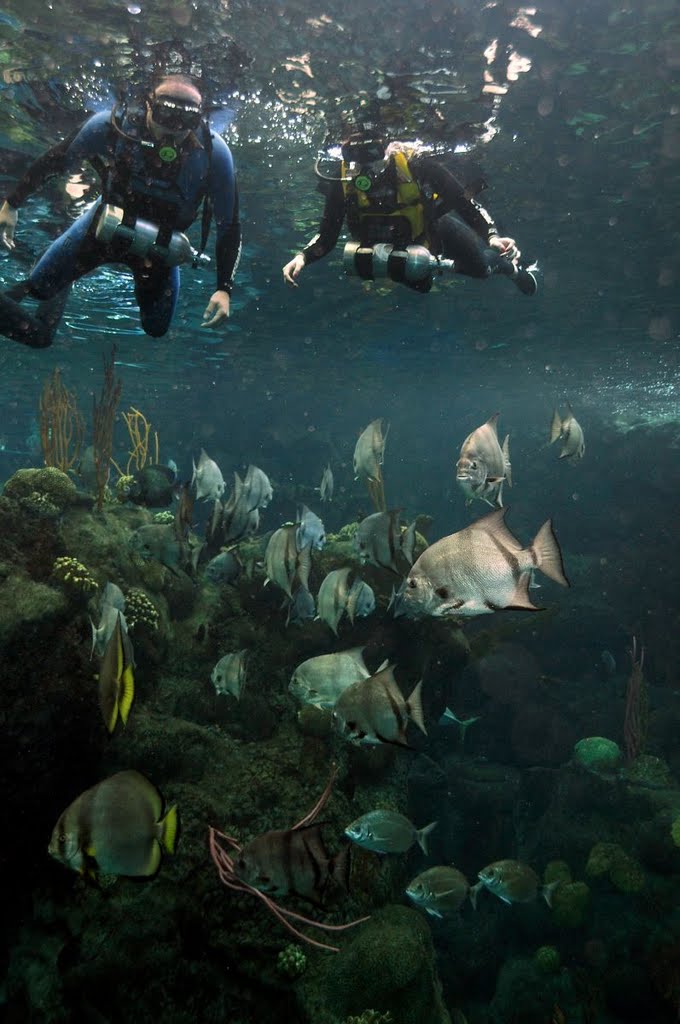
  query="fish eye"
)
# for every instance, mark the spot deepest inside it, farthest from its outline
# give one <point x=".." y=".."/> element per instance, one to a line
<point x="442" y="592"/>
<point x="351" y="726"/>
<point x="265" y="878"/>
<point x="62" y="839"/>
<point x="413" y="583"/>
<point x="473" y="464"/>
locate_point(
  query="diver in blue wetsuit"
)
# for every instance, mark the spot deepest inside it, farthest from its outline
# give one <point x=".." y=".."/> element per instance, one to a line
<point x="155" y="167"/>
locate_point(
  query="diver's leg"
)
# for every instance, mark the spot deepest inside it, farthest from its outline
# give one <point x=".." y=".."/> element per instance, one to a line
<point x="156" y="291"/>
<point x="73" y="254"/>
<point x="462" y="244"/>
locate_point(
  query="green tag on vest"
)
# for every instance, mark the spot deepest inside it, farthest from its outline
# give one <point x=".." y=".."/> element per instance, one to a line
<point x="167" y="154"/>
<point x="362" y="182"/>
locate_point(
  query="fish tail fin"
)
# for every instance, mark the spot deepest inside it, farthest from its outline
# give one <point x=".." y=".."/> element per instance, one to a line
<point x="474" y="891"/>
<point x="168" y="828"/>
<point x="95" y="634"/>
<point x="414" y="706"/>
<point x="408" y="542"/>
<point x="546" y="554"/>
<point x="548" y="890"/>
<point x="126" y="694"/>
<point x="506" y="459"/>
<point x="555" y="426"/>
<point x="423" y="833"/>
<point x="341" y="866"/>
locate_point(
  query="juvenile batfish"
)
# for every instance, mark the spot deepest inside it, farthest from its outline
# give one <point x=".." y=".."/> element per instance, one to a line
<point x="281" y="558"/>
<point x="257" y="488"/>
<point x="380" y="541"/>
<point x="388" y="832"/>
<point x="513" y="882"/>
<point x="480" y="569"/>
<point x="229" y="674"/>
<point x="360" y="600"/>
<point x="208" y="478"/>
<point x="369" y="452"/>
<point x="331" y="600"/>
<point x="321" y="680"/>
<point x="569" y="431"/>
<point x="116" y="677"/>
<point x="116" y="827"/>
<point x="374" y="710"/>
<point x="483" y="466"/>
<point x="327" y="484"/>
<point x="439" y="891"/>
<point x="310" y="530"/>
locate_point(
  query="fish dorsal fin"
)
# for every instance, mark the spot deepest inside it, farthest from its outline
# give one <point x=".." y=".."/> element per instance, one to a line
<point x="414" y="706"/>
<point x="555" y="426"/>
<point x="506" y="460"/>
<point x="493" y="523"/>
<point x="492" y="422"/>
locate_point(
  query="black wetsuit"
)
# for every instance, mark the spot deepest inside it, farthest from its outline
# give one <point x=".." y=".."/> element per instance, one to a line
<point x="458" y="227"/>
<point x="134" y="178"/>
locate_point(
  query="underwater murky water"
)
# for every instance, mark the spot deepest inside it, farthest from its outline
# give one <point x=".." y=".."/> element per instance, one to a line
<point x="575" y="109"/>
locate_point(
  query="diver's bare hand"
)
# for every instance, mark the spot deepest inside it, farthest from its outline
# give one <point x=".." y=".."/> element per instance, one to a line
<point x="8" y="223"/>
<point x="217" y="310"/>
<point x="292" y="269"/>
<point x="505" y="246"/>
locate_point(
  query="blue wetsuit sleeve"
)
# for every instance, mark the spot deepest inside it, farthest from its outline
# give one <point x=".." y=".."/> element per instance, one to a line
<point x="92" y="139"/>
<point x="223" y="193"/>
<point x="330" y="227"/>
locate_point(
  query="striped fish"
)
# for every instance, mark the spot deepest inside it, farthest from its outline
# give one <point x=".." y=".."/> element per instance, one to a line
<point x="569" y="431"/>
<point x="373" y="710"/>
<point x="478" y="570"/>
<point x="295" y="861"/>
<point x="331" y="601"/>
<point x="483" y="466"/>
<point x="381" y="541"/>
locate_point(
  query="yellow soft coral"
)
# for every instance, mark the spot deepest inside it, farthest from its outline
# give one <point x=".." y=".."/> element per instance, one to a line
<point x="74" y="574"/>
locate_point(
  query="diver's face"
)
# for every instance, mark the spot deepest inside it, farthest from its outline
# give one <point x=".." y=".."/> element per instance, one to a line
<point x="171" y="118"/>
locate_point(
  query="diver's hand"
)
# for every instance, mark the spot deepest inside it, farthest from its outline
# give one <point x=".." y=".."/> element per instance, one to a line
<point x="8" y="223"/>
<point x="217" y="309"/>
<point x="292" y="269"/>
<point x="505" y="246"/>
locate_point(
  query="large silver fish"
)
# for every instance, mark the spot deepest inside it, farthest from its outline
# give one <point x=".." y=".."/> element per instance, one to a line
<point x="569" y="431"/>
<point x="116" y="827"/>
<point x="208" y="478"/>
<point x="374" y="711"/>
<point x="321" y="680"/>
<point x="480" y="569"/>
<point x="381" y="541"/>
<point x="369" y="452"/>
<point x="483" y="466"/>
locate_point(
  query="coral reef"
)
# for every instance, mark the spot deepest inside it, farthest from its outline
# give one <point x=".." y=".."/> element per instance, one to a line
<point x="292" y="961"/>
<point x="623" y="871"/>
<point x="598" y="754"/>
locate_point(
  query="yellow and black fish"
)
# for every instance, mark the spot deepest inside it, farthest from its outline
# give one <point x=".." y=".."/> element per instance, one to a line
<point x="116" y="677"/>
<point x="117" y="827"/>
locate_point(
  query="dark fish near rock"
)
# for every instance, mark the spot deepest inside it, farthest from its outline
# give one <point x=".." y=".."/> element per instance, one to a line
<point x="116" y="827"/>
<point x="158" y="541"/>
<point x="224" y="568"/>
<point x="374" y="711"/>
<point x="152" y="486"/>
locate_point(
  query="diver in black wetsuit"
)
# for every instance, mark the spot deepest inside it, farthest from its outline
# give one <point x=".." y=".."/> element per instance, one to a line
<point x="392" y="195"/>
<point x="155" y="169"/>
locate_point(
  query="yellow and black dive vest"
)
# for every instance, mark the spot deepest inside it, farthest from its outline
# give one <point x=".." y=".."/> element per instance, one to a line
<point x="373" y="217"/>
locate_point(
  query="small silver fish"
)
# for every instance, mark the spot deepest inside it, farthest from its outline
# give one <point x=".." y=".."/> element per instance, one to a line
<point x="483" y="466"/>
<point x="608" y="662"/>
<point x="569" y="431"/>
<point x="310" y="530"/>
<point x="384" y="831"/>
<point x="381" y="541"/>
<point x="208" y="478"/>
<point x="369" y="452"/>
<point x="302" y="608"/>
<point x="439" y="891"/>
<point x="374" y="711"/>
<point x="229" y="674"/>
<point x="332" y="598"/>
<point x="237" y="519"/>
<point x="360" y="600"/>
<point x="479" y="570"/>
<point x="257" y="488"/>
<point x="111" y="603"/>
<point x="281" y="558"/>
<point x="513" y="882"/>
<point x="327" y="484"/>
<point x="321" y="680"/>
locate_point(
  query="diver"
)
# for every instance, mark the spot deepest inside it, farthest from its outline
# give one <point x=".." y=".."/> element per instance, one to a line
<point x="156" y="165"/>
<point x="409" y="217"/>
